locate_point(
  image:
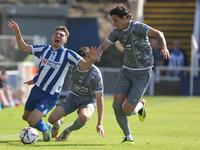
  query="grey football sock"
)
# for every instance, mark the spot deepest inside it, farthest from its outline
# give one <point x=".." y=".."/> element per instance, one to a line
<point x="76" y="125"/>
<point x="121" y="118"/>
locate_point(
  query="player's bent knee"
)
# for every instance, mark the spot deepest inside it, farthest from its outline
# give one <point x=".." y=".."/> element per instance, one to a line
<point x="117" y="106"/>
<point x="83" y="118"/>
<point x="52" y="119"/>
<point x="24" y="118"/>
<point x="31" y="122"/>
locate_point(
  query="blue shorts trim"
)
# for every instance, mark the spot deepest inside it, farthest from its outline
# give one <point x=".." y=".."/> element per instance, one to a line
<point x="41" y="100"/>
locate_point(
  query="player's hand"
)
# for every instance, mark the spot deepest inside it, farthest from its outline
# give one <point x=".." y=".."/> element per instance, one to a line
<point x="92" y="52"/>
<point x="97" y="58"/>
<point x="14" y="26"/>
<point x="30" y="82"/>
<point x="165" y="53"/>
<point x="101" y="131"/>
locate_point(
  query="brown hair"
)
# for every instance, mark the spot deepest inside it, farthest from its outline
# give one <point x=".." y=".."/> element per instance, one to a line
<point x="121" y="11"/>
<point x="83" y="51"/>
<point x="62" y="28"/>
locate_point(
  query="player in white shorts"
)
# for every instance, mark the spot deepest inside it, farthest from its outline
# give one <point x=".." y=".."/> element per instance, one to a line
<point x="135" y="74"/>
<point x="85" y="95"/>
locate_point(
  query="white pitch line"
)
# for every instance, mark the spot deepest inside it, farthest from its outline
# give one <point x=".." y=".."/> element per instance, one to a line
<point x="10" y="135"/>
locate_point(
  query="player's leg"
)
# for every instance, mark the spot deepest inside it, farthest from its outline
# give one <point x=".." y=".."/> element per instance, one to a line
<point x="25" y="115"/>
<point x="56" y="119"/>
<point x="120" y="94"/>
<point x="56" y="114"/>
<point x="39" y="103"/>
<point x="85" y="113"/>
<point x="34" y="120"/>
<point x="134" y="103"/>
<point x="122" y="118"/>
<point x="67" y="106"/>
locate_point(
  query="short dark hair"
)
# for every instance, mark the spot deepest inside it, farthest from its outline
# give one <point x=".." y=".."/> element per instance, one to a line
<point x="83" y="51"/>
<point x="121" y="11"/>
<point x="62" y="28"/>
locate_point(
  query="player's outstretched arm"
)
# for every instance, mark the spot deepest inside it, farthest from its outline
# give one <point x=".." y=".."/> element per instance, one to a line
<point x="160" y="36"/>
<point x="23" y="47"/>
<point x="86" y="65"/>
<point x="100" y="111"/>
<point x="105" y="45"/>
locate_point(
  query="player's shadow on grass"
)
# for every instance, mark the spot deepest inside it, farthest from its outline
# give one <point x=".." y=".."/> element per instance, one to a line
<point x="65" y="143"/>
<point x="12" y="142"/>
<point x="70" y="145"/>
<point x="40" y="143"/>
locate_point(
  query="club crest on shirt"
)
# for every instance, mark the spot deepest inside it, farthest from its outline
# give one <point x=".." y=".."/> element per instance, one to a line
<point x="64" y="101"/>
<point x="125" y="40"/>
<point x="80" y="81"/>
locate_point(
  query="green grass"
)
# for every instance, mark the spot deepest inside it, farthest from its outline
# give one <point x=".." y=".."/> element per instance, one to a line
<point x="172" y="123"/>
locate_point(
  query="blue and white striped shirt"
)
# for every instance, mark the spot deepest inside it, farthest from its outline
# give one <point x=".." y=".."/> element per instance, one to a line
<point x="53" y="66"/>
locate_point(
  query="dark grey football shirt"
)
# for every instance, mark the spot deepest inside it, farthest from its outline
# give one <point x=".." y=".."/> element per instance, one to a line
<point x="86" y="83"/>
<point x="137" y="49"/>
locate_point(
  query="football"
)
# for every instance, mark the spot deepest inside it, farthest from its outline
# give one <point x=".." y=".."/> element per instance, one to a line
<point x="29" y="135"/>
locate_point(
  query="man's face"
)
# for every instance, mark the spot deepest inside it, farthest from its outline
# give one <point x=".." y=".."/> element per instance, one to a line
<point x="59" y="39"/>
<point x="118" y="22"/>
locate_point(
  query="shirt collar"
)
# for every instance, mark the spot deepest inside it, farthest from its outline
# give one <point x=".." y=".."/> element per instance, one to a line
<point x="60" y="49"/>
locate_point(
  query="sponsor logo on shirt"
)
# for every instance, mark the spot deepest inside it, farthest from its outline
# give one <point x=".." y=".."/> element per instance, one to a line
<point x="50" y="63"/>
<point x="44" y="61"/>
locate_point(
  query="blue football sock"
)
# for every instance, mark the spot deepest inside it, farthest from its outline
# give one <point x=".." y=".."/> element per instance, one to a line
<point x="41" y="126"/>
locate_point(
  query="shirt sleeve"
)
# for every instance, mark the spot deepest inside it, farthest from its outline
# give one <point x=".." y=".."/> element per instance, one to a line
<point x="37" y="50"/>
<point x="97" y="81"/>
<point x="73" y="57"/>
<point x="141" y="28"/>
<point x="113" y="36"/>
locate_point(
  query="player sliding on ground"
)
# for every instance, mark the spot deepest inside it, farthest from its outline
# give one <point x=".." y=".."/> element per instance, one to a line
<point x="54" y="63"/>
<point x="86" y="94"/>
<point x="135" y="74"/>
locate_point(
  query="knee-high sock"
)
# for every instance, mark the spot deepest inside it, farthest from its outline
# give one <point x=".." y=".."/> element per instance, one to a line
<point x="76" y="125"/>
<point x="121" y="118"/>
<point x="41" y="126"/>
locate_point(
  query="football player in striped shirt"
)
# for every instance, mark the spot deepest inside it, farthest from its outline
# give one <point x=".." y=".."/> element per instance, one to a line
<point x="86" y="93"/>
<point x="54" y="63"/>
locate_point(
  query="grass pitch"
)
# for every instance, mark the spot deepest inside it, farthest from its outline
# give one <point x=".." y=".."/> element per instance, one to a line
<point x="172" y="123"/>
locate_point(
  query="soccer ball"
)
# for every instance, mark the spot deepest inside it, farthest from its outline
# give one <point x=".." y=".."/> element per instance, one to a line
<point x="29" y="135"/>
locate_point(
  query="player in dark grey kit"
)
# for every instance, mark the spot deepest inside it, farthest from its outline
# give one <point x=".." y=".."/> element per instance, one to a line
<point x="86" y="94"/>
<point x="135" y="74"/>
